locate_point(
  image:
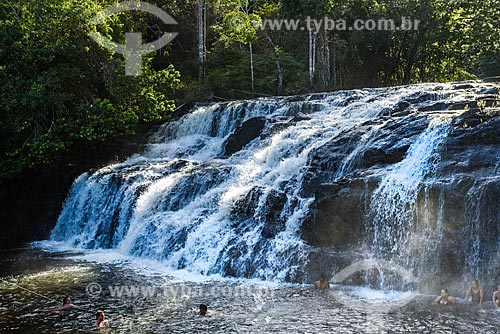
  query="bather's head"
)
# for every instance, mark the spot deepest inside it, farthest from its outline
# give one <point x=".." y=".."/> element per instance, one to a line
<point x="99" y="316"/>
<point x="203" y="309"/>
<point x="66" y="300"/>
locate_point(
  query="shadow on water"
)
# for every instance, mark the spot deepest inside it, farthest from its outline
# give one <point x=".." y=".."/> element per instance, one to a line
<point x="170" y="304"/>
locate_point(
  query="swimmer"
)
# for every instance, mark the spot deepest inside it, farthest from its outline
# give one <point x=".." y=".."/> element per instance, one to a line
<point x="496" y="297"/>
<point x="67" y="305"/>
<point x="445" y="298"/>
<point x="475" y="292"/>
<point x="100" y="321"/>
<point x="322" y="283"/>
<point x="205" y="311"/>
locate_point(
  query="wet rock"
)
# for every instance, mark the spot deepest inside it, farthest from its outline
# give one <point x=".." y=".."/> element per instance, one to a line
<point x="273" y="221"/>
<point x="261" y="207"/>
<point x="301" y="117"/>
<point x="463" y="86"/>
<point x="460" y="199"/>
<point x="401" y="106"/>
<point x="244" y="208"/>
<point x="337" y="215"/>
<point x="247" y="132"/>
<point x="493" y="90"/>
<point x="435" y="107"/>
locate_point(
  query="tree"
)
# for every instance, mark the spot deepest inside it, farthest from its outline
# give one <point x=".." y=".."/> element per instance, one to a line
<point x="201" y="37"/>
<point x="60" y="88"/>
<point x="239" y="25"/>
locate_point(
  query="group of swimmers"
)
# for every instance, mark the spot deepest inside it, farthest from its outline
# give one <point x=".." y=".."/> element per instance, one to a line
<point x="475" y="293"/>
<point x="100" y="320"/>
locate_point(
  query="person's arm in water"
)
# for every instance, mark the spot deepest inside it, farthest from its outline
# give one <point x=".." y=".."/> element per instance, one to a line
<point x="62" y="308"/>
<point x="437" y="300"/>
<point x="468" y="295"/>
<point x="452" y="300"/>
<point x="481" y="296"/>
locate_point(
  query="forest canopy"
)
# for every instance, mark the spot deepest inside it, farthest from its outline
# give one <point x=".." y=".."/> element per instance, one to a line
<point x="60" y="88"/>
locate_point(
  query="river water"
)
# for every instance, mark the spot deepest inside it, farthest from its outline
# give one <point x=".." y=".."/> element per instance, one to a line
<point x="169" y="300"/>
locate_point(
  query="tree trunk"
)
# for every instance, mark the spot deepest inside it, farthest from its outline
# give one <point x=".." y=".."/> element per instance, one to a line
<point x="205" y="30"/>
<point x="280" y="77"/>
<point x="325" y="63"/>
<point x="334" y="68"/>
<point x="312" y="56"/>
<point x="279" y="90"/>
<point x="201" y="38"/>
<point x="251" y="68"/>
<point x="407" y="74"/>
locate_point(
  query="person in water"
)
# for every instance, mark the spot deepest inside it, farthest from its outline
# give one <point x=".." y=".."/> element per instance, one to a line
<point x="445" y="298"/>
<point x="496" y="297"/>
<point x="322" y="283"/>
<point x="475" y="292"/>
<point x="66" y="305"/>
<point x="100" y="320"/>
<point x="203" y="309"/>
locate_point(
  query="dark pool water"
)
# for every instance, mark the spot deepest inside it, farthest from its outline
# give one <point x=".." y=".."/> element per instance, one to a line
<point x="168" y="302"/>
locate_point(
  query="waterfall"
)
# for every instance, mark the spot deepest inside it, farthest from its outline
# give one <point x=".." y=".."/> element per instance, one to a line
<point x="392" y="220"/>
<point x="192" y="203"/>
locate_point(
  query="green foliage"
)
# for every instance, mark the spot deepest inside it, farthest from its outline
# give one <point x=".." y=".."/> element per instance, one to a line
<point x="239" y="26"/>
<point x="59" y="87"/>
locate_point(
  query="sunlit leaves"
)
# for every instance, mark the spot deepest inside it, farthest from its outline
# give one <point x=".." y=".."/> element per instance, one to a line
<point x="59" y="87"/>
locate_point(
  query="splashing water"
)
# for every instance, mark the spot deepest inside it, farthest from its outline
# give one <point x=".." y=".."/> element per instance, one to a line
<point x="393" y="224"/>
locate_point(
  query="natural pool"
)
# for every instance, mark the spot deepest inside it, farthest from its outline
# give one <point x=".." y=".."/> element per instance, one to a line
<point x="166" y="302"/>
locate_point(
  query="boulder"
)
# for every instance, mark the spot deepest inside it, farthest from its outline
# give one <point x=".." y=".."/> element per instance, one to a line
<point x="248" y="131"/>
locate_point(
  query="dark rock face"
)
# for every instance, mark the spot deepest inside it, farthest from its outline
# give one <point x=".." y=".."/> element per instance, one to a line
<point x="30" y="208"/>
<point x="337" y="216"/>
<point x="460" y="200"/>
<point x="273" y="221"/>
<point x="245" y="209"/>
<point x="247" y="132"/>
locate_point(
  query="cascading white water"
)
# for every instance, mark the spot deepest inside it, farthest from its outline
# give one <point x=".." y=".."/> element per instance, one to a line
<point x="392" y="219"/>
<point x="185" y="203"/>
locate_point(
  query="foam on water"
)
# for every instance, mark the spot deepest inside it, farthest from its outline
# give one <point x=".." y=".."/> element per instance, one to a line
<point x="377" y="296"/>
